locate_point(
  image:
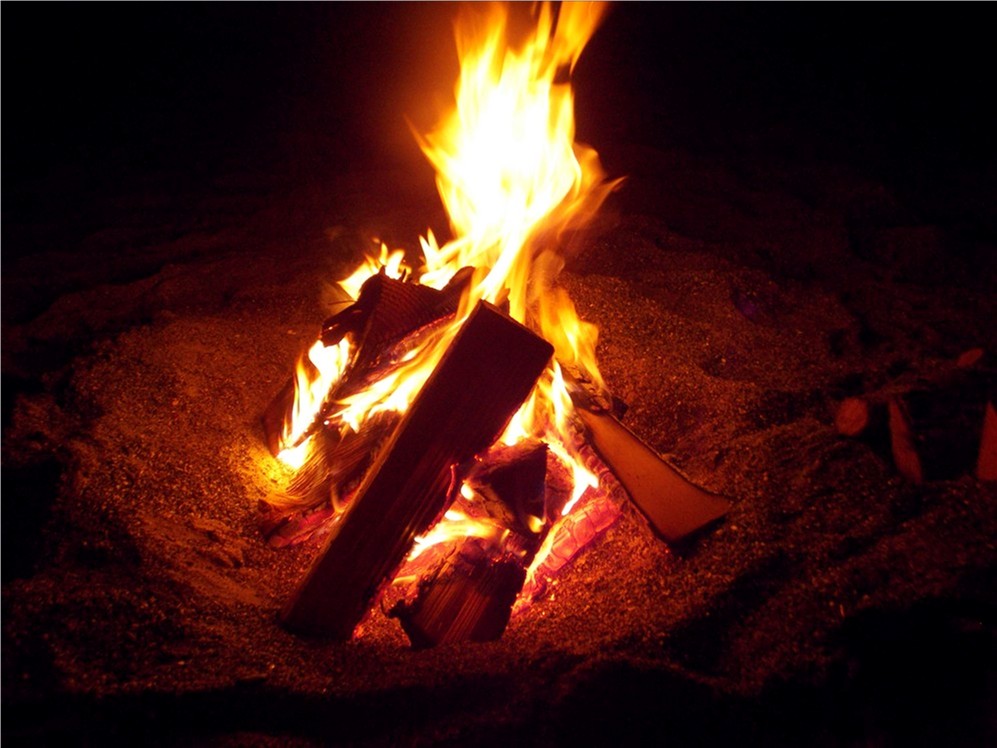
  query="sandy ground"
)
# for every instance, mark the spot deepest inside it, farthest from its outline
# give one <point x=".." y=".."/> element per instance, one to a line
<point x="162" y="269"/>
<point x="837" y="604"/>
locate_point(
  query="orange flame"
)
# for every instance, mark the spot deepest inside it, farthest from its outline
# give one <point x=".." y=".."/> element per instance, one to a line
<point x="513" y="180"/>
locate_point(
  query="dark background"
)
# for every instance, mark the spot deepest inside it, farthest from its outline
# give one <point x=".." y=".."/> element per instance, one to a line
<point x="98" y="97"/>
<point x="162" y="103"/>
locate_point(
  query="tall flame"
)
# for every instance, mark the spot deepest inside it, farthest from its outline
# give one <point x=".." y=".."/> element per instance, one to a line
<point x="508" y="168"/>
<point x="512" y="180"/>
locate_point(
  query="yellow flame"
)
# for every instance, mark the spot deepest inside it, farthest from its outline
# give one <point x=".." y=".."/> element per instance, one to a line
<point x="391" y="262"/>
<point x="315" y="374"/>
<point x="455" y="525"/>
<point x="512" y="180"/>
<point x="507" y="164"/>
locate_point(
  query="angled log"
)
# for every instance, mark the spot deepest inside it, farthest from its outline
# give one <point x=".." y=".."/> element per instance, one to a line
<point x="486" y="373"/>
<point x="673" y="505"/>
<point x="902" y="444"/>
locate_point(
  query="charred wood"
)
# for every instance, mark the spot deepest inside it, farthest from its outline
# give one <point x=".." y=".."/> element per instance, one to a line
<point x="468" y="597"/>
<point x="468" y="592"/>
<point x="385" y="313"/>
<point x="489" y="370"/>
<point x="325" y="483"/>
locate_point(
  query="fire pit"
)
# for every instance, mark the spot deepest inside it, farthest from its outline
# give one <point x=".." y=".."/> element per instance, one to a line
<point x="391" y="414"/>
<point x="743" y="295"/>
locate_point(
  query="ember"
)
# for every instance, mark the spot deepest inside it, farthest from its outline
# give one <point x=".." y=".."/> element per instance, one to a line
<point x="407" y="388"/>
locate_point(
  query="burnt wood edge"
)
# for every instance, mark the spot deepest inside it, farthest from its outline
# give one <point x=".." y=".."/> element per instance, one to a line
<point x="489" y="369"/>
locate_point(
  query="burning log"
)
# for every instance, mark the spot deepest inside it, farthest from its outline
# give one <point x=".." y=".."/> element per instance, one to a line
<point x="324" y="484"/>
<point x="488" y="370"/>
<point x="469" y="591"/>
<point x="590" y="518"/>
<point x="389" y="310"/>
<point x="386" y="312"/>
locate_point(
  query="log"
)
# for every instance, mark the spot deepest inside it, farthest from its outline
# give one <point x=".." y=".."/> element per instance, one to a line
<point x="468" y="597"/>
<point x="468" y="592"/>
<point x="902" y="443"/>
<point x="569" y="535"/>
<point x="385" y="313"/>
<point x="674" y="507"/>
<point x="860" y="416"/>
<point x="486" y="373"/>
<point x="325" y="483"/>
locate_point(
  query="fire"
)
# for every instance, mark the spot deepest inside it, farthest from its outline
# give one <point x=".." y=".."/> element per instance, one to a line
<point x="513" y="181"/>
<point x="389" y="262"/>
<point x="315" y="374"/>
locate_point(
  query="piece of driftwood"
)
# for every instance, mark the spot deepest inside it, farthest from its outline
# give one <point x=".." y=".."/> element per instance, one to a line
<point x="468" y="591"/>
<point x="385" y="313"/>
<point x="932" y="427"/>
<point x="486" y="373"/>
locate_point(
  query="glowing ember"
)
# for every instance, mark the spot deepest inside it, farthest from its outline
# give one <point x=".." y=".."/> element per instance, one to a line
<point x="513" y="181"/>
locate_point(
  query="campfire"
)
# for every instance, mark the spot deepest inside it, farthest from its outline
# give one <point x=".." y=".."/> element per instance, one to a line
<point x="453" y="442"/>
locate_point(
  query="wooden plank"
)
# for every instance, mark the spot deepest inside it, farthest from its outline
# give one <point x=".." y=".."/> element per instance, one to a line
<point x="483" y="378"/>
<point x="674" y="506"/>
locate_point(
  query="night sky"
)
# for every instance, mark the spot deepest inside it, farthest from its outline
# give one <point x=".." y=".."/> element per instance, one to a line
<point x="98" y="97"/>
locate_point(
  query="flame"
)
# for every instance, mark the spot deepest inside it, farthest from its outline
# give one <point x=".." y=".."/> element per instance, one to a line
<point x="455" y="525"/>
<point x="508" y="170"/>
<point x="390" y="262"/>
<point x="315" y="374"/>
<point x="513" y="181"/>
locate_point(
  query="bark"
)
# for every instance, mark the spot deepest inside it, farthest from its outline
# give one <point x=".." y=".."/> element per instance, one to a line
<point x="481" y="381"/>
